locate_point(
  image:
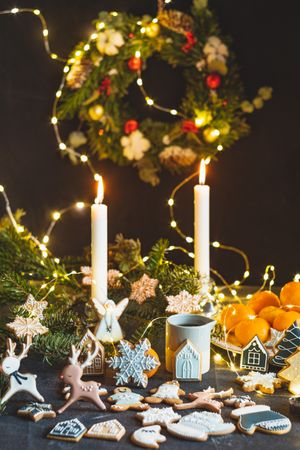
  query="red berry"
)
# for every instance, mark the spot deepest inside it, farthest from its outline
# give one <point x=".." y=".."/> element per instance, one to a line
<point x="188" y="126"/>
<point x="130" y="126"/>
<point x="134" y="63"/>
<point x="213" y="80"/>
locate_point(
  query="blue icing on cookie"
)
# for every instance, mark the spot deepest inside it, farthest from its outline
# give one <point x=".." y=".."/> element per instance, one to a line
<point x="267" y="420"/>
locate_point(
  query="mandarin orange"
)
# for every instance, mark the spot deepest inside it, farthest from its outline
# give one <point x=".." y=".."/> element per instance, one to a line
<point x="269" y="313"/>
<point x="233" y="314"/>
<point x="247" y="329"/>
<point x="290" y="294"/>
<point x="285" y="320"/>
<point x="262" y="299"/>
<point x="152" y="372"/>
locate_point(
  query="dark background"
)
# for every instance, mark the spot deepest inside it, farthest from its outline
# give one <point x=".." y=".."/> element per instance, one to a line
<point x="254" y="186"/>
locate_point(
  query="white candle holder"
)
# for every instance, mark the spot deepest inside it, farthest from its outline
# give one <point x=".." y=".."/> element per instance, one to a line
<point x="208" y="302"/>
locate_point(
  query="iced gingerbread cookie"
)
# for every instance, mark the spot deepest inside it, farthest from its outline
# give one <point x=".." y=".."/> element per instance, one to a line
<point x="199" y="425"/>
<point x="206" y="400"/>
<point x="239" y="401"/>
<point x="265" y="382"/>
<point x="124" y="399"/>
<point x="112" y="430"/>
<point x="133" y="363"/>
<point x="36" y="411"/>
<point x="168" y="392"/>
<point x="69" y="430"/>
<point x="158" y="416"/>
<point x="18" y="381"/>
<point x="148" y="437"/>
<point x="262" y="418"/>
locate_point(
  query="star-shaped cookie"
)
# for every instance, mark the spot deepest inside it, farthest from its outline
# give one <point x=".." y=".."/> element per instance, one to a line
<point x="36" y="411"/>
<point x="158" y="416"/>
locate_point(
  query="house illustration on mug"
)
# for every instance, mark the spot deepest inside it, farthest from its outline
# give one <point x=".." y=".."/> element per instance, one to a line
<point x="254" y="356"/>
<point x="187" y="362"/>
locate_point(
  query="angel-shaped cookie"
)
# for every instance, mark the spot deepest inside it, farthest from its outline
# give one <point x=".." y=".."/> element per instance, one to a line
<point x="108" y="329"/>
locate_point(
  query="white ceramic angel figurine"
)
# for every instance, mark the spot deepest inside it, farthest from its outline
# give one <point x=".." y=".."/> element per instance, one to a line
<point x="108" y="329"/>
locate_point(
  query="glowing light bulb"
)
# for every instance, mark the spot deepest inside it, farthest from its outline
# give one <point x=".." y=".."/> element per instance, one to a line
<point x="174" y="112"/>
<point x="1" y="188"/>
<point x="56" y="215"/>
<point x="237" y="283"/>
<point x="155" y="20"/>
<point x="171" y="248"/>
<point x="45" y="32"/>
<point x="145" y="258"/>
<point x="86" y="47"/>
<point x="249" y="296"/>
<point x="217" y="357"/>
<point x="149" y="101"/>
<point x="137" y="54"/>
<point x="216" y="244"/>
<point x="114" y="13"/>
<point x="20" y="228"/>
<point x="297" y="277"/>
<point x="100" y="25"/>
<point x="66" y="69"/>
<point x="143" y="30"/>
<point x="220" y="147"/>
<point x="46" y="239"/>
<point x="97" y="177"/>
<point x="173" y="224"/>
<point x="45" y="254"/>
<point x="246" y="274"/>
<point x="15" y="10"/>
<point x="80" y="205"/>
<point x="139" y="82"/>
<point x="62" y="146"/>
<point x="266" y="276"/>
<point x="233" y="292"/>
<point x="54" y="56"/>
<point x="56" y="260"/>
<point x="78" y="53"/>
<point x="43" y="247"/>
<point x="54" y="120"/>
<point x="171" y="202"/>
<point x="37" y="12"/>
<point x="83" y="158"/>
<point x="191" y="255"/>
<point x="189" y="239"/>
<point x="93" y="36"/>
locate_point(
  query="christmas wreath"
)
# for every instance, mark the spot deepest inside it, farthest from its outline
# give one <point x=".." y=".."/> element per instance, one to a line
<point x="99" y="72"/>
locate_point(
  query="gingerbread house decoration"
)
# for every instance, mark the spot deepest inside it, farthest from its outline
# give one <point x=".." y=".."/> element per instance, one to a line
<point x="98" y="363"/>
<point x="254" y="356"/>
<point x="187" y="362"/>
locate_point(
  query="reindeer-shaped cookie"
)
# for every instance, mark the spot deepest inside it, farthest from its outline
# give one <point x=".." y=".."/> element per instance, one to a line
<point x="80" y="390"/>
<point x="18" y="381"/>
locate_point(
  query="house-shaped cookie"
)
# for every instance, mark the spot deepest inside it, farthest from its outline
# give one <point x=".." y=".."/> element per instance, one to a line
<point x="254" y="356"/>
<point x="187" y="362"/>
<point x="98" y="363"/>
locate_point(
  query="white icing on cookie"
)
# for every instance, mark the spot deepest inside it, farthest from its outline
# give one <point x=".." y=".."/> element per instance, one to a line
<point x="199" y="425"/>
<point x="167" y="391"/>
<point x="148" y="436"/>
<point x="160" y="416"/>
<point x="248" y="410"/>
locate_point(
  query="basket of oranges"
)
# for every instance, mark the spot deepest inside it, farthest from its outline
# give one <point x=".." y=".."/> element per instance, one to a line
<point x="265" y="315"/>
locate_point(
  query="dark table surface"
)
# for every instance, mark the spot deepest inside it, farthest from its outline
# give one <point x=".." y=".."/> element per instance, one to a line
<point x="20" y="433"/>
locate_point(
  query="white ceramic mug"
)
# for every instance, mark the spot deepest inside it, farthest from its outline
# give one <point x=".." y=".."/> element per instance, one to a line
<point x="196" y="328"/>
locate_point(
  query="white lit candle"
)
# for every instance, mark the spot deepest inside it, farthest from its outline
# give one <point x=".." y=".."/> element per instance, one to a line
<point x="201" y="218"/>
<point x="99" y="246"/>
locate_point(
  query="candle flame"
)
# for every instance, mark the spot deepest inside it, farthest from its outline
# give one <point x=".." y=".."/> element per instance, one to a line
<point x="202" y="172"/>
<point x="100" y="191"/>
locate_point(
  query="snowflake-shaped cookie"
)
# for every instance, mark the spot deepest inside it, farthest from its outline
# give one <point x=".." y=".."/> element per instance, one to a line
<point x="34" y="307"/>
<point x="184" y="302"/>
<point x="265" y="382"/>
<point x="132" y="362"/>
<point x="158" y="416"/>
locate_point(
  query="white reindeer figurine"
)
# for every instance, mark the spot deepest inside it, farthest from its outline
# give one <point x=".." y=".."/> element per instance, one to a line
<point x="18" y="381"/>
